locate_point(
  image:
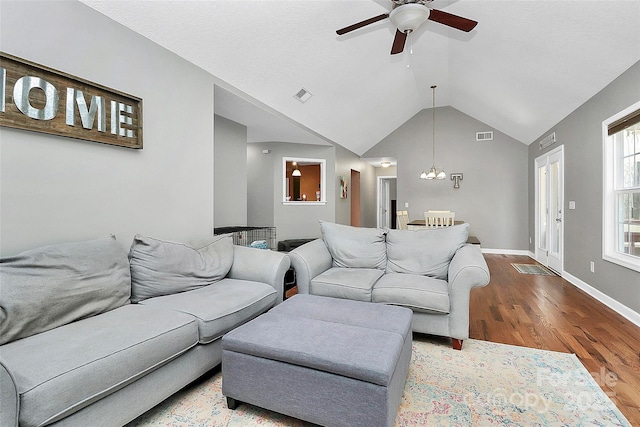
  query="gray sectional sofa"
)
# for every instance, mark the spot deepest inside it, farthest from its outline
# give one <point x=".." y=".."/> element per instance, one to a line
<point x="431" y="271"/>
<point x="91" y="336"/>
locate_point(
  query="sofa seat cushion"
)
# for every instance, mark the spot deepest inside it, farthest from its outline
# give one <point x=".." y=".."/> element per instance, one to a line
<point x="419" y="293"/>
<point x="89" y="359"/>
<point x="348" y="283"/>
<point x="220" y="307"/>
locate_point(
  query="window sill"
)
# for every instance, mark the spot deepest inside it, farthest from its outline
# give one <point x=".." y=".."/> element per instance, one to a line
<point x="628" y="261"/>
<point x="307" y="203"/>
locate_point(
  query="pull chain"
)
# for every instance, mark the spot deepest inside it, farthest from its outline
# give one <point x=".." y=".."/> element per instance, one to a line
<point x="410" y="47"/>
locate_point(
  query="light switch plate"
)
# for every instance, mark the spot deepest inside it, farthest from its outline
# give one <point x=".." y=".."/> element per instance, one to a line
<point x="572" y="204"/>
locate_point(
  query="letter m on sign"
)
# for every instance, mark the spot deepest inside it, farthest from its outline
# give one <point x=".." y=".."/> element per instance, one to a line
<point x="87" y="115"/>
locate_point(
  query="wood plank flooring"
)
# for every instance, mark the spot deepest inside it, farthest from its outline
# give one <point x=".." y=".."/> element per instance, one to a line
<point x="549" y="313"/>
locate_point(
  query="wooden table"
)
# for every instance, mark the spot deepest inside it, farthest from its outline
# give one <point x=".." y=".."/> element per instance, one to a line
<point x="419" y="224"/>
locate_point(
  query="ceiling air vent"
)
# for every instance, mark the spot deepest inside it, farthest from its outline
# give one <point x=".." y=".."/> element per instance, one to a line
<point x="547" y="141"/>
<point x="303" y="95"/>
<point x="484" y="136"/>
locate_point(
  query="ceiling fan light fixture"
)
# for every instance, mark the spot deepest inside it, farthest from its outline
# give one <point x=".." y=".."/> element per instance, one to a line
<point x="409" y="17"/>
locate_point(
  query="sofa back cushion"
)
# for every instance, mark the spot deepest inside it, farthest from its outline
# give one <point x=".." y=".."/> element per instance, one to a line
<point x="426" y="252"/>
<point x="163" y="268"/>
<point x="51" y="286"/>
<point x="356" y="247"/>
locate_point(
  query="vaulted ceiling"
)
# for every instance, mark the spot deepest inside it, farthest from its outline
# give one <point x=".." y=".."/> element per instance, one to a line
<point x="524" y="67"/>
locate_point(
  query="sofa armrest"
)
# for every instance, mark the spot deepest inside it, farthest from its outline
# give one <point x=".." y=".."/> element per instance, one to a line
<point x="9" y="401"/>
<point x="260" y="265"/>
<point x="309" y="260"/>
<point x="467" y="270"/>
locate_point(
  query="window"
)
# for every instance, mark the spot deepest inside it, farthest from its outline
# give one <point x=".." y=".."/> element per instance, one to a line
<point x="303" y="181"/>
<point x="621" y="139"/>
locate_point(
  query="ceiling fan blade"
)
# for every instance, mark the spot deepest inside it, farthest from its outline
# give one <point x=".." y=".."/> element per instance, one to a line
<point x="398" y="42"/>
<point x="362" y="24"/>
<point x="455" y="21"/>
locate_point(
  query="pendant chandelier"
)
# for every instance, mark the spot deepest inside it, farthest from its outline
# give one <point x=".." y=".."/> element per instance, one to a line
<point x="434" y="173"/>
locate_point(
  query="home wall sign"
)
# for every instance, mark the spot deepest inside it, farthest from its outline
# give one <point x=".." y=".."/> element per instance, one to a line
<point x="41" y="99"/>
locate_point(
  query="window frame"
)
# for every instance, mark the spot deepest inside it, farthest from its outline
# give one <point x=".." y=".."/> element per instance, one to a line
<point x="611" y="190"/>
<point x="323" y="182"/>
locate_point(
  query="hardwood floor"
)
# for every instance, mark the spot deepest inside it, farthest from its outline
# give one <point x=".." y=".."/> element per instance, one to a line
<point x="549" y="313"/>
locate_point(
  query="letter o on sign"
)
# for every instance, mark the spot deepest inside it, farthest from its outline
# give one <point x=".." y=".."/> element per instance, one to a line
<point x="21" y="92"/>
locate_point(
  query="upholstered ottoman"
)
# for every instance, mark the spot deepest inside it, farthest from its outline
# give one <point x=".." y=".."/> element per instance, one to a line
<point x="328" y="361"/>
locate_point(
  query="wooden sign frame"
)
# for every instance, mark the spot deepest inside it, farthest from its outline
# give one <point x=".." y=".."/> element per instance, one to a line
<point x="41" y="99"/>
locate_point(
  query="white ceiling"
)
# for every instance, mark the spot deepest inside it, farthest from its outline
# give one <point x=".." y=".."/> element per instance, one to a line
<point x="525" y="67"/>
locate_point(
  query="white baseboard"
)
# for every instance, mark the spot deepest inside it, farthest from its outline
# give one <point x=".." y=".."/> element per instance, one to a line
<point x="616" y="306"/>
<point x="505" y="251"/>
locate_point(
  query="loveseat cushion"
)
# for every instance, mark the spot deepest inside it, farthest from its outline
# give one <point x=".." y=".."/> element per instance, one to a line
<point x="60" y="371"/>
<point x="54" y="285"/>
<point x="348" y="283"/>
<point x="220" y="307"/>
<point x="163" y="268"/>
<point x="356" y="247"/>
<point x="425" y="252"/>
<point x="419" y="293"/>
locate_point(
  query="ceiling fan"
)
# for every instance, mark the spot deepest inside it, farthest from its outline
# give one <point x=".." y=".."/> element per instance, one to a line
<point x="408" y="15"/>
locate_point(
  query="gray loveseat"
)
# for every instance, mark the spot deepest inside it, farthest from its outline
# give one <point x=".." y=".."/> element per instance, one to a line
<point x="89" y="336"/>
<point x="431" y="271"/>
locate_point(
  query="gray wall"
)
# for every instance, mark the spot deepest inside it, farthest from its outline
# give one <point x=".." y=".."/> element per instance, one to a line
<point x="56" y="189"/>
<point x="492" y="198"/>
<point x="581" y="135"/>
<point x="345" y="162"/>
<point x="264" y="204"/>
<point x="230" y="178"/>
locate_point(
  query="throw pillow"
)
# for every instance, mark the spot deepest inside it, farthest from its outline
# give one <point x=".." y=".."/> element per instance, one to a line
<point x="162" y="268"/>
<point x="54" y="285"/>
<point x="426" y="252"/>
<point x="355" y="247"/>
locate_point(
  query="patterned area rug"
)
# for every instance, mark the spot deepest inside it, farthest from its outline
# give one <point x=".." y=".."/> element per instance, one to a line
<point x="485" y="384"/>
<point x="533" y="269"/>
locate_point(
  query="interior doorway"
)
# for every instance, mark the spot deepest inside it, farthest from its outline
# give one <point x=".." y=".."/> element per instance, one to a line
<point x="387" y="196"/>
<point x="355" y="198"/>
<point x="549" y="209"/>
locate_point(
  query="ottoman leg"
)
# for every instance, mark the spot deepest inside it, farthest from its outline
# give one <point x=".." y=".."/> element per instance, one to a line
<point x="232" y="403"/>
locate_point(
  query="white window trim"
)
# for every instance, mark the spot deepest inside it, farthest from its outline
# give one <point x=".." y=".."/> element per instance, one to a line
<point x="609" y="250"/>
<point x="323" y="182"/>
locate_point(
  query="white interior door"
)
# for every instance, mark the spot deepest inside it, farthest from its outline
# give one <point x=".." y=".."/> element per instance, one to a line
<point x="384" y="203"/>
<point x="549" y="209"/>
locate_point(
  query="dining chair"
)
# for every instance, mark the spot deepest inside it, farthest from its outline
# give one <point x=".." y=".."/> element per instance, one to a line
<point x="403" y="220"/>
<point x="437" y="219"/>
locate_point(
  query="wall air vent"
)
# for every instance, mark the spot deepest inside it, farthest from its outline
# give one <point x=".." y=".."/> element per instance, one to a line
<point x="484" y="136"/>
<point x="547" y="141"/>
<point x="303" y="95"/>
